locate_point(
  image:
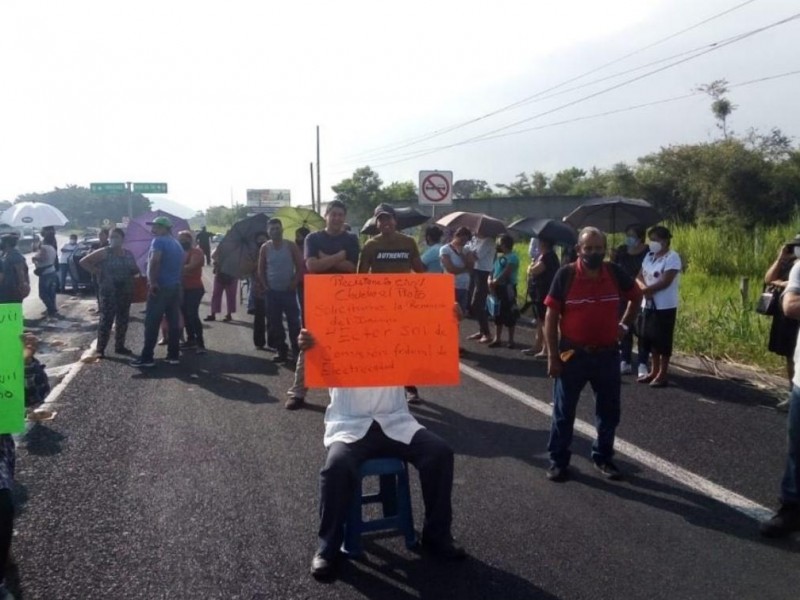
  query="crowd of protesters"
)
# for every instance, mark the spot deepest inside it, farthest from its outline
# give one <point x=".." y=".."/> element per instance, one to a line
<point x="587" y="310"/>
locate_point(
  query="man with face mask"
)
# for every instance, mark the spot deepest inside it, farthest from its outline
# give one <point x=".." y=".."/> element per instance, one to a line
<point x="280" y="266"/>
<point x="582" y="334"/>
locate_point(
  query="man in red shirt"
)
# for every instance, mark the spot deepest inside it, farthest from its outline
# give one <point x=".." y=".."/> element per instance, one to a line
<point x="582" y="335"/>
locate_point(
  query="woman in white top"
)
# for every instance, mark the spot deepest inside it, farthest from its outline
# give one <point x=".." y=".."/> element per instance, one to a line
<point x="483" y="250"/>
<point x="457" y="261"/>
<point x="659" y="280"/>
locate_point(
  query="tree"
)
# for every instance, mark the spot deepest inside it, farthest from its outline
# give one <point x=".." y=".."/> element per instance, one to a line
<point x="84" y="208"/>
<point x="361" y="193"/>
<point x="399" y="192"/>
<point x="566" y="181"/>
<point x="471" y="188"/>
<point x="721" y="106"/>
<point x="521" y="187"/>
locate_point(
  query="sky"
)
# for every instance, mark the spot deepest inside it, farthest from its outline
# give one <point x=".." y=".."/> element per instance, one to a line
<point x="218" y="97"/>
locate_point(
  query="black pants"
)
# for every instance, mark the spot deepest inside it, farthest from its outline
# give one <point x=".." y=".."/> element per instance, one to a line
<point x="479" y="301"/>
<point x="207" y="252"/>
<point x="190" y="307"/>
<point x="429" y="453"/>
<point x="6" y="526"/>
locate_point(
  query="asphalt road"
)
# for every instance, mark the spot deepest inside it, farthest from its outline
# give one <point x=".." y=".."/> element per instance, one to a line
<point x="193" y="481"/>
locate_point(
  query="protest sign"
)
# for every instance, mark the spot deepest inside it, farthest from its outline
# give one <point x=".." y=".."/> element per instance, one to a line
<point x="381" y="330"/>
<point x="12" y="370"/>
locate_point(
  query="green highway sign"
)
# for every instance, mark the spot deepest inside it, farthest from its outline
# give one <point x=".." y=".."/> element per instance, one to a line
<point x="150" y="188"/>
<point x="107" y="188"/>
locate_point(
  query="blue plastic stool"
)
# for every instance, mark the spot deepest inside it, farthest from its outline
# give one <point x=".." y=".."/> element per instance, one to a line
<point x="395" y="496"/>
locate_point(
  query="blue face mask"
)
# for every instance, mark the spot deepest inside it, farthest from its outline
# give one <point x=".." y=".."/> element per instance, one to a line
<point x="631" y="241"/>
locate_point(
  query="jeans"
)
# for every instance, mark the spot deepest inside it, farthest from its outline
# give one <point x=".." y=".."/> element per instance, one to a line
<point x="63" y="272"/>
<point x="165" y="302"/>
<point x="115" y="309"/>
<point x="278" y="305"/>
<point x="601" y="371"/>
<point x="790" y="486"/>
<point x="48" y="288"/>
<point x="190" y="308"/>
<point x="479" y="311"/>
<point x="429" y="453"/>
<point x="462" y="299"/>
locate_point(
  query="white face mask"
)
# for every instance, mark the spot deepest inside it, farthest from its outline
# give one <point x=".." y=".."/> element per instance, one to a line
<point x="796" y="251"/>
<point x="655" y="247"/>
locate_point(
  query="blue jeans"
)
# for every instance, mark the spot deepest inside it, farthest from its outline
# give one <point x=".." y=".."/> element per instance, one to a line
<point x="166" y="301"/>
<point x="48" y="288"/>
<point x="278" y="305"/>
<point x="790" y="486"/>
<point x="601" y="371"/>
<point x="462" y="299"/>
<point x="63" y="272"/>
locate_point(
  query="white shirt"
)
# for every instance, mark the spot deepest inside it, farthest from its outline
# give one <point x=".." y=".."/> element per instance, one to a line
<point x="352" y="411"/>
<point x="484" y="249"/>
<point x="653" y="269"/>
<point x="66" y="251"/>
<point x="793" y="286"/>
<point x="462" y="279"/>
<point x="45" y="259"/>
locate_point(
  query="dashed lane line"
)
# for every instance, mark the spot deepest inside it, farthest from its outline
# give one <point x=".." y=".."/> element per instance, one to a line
<point x="679" y="474"/>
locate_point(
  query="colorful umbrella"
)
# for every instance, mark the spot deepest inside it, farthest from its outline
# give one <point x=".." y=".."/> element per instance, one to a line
<point x="295" y="217"/>
<point x="138" y="235"/>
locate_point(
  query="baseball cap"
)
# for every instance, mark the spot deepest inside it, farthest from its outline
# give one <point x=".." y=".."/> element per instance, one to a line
<point x="162" y="221"/>
<point x="384" y="209"/>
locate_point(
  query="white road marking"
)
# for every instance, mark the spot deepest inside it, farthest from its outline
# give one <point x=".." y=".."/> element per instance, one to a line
<point x="648" y="459"/>
<point x="706" y="400"/>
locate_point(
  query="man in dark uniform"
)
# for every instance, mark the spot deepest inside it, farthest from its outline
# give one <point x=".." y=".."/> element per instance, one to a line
<point x="204" y="243"/>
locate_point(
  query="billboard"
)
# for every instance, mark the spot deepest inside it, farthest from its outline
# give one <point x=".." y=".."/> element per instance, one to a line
<point x="268" y="198"/>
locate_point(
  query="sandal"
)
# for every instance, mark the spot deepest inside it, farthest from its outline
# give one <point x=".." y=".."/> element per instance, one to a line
<point x="475" y="336"/>
<point x="659" y="383"/>
<point x="484" y="339"/>
<point x="646" y="379"/>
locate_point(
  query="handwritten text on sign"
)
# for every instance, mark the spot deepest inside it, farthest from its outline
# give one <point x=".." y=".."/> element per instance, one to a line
<point x="12" y="370"/>
<point x="381" y="330"/>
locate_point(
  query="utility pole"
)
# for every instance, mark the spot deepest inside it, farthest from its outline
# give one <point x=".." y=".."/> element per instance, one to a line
<point x="129" y="185"/>
<point x="319" y="189"/>
<point x="313" y="203"/>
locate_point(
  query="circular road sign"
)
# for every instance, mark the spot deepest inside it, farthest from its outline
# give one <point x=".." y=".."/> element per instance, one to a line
<point x="436" y="188"/>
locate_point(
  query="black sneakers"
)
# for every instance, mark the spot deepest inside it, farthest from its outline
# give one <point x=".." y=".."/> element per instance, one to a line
<point x="783" y="522"/>
<point x="558" y="474"/>
<point x="609" y="469"/>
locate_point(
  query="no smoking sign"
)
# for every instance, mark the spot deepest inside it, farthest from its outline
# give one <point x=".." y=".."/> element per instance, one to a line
<point x="436" y="187"/>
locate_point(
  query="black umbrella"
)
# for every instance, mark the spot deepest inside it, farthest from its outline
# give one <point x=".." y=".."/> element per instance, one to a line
<point x="406" y="218"/>
<point x="548" y="229"/>
<point x="613" y="215"/>
<point x="237" y="253"/>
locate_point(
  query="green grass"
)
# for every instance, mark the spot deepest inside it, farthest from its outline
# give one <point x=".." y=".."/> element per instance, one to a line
<point x="713" y="320"/>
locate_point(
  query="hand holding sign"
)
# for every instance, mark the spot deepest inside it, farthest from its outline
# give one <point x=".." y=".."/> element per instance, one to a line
<point x="381" y="330"/>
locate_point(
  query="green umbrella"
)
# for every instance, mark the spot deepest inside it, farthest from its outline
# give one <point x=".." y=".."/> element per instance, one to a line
<point x="295" y="217"/>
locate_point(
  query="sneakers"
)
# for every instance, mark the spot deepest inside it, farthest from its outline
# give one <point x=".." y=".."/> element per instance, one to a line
<point x="783" y="522"/>
<point x="558" y="474"/>
<point x="210" y="318"/>
<point x="643" y="371"/>
<point x="201" y="349"/>
<point x="280" y="358"/>
<point x="294" y="403"/>
<point x="188" y="344"/>
<point x="625" y="368"/>
<point x="609" y="470"/>
<point x="171" y="360"/>
<point x="322" y="568"/>
<point x="143" y="364"/>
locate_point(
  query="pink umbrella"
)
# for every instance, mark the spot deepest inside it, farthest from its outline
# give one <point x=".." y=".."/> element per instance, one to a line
<point x="138" y="235"/>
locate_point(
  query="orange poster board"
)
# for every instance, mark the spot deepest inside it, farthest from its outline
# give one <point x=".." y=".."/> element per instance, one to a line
<point x="381" y="330"/>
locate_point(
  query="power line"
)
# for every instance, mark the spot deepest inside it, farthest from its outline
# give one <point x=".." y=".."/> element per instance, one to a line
<point x="436" y="133"/>
<point x="714" y="47"/>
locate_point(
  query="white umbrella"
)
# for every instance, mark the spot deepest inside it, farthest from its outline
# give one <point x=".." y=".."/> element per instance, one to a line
<point x="33" y="214"/>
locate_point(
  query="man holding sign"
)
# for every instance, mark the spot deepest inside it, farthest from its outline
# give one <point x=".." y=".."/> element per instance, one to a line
<point x="371" y="422"/>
